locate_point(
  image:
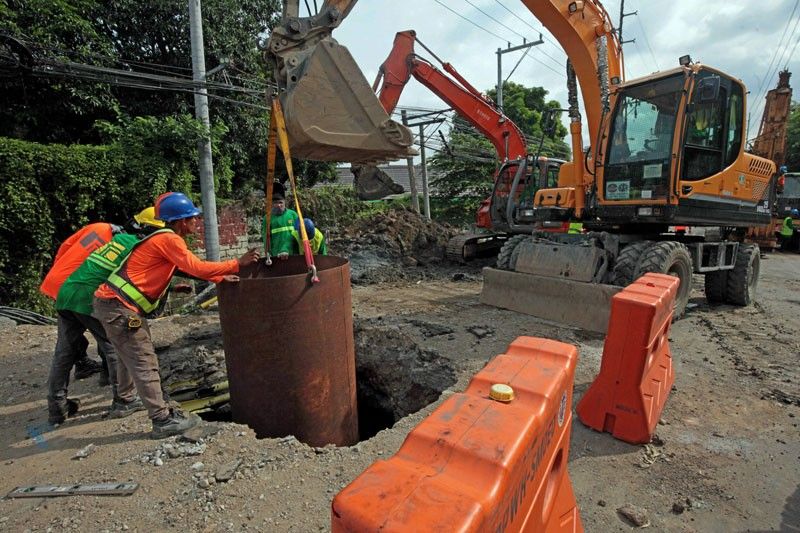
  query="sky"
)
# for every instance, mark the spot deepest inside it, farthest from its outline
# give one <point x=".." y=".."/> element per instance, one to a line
<point x="746" y="39"/>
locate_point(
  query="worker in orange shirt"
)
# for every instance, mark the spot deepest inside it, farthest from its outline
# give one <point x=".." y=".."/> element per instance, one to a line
<point x="71" y="254"/>
<point x="135" y="289"/>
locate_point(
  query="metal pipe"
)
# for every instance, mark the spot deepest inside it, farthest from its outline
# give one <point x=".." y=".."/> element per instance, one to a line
<point x="289" y="350"/>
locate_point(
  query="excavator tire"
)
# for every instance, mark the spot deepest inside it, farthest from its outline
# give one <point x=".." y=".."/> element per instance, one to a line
<point x="716" y="286"/>
<point x="626" y="263"/>
<point x="743" y="279"/>
<point x="670" y="257"/>
<point x="504" y="257"/>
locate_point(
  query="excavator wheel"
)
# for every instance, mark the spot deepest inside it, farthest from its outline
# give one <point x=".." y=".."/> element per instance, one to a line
<point x="504" y="257"/>
<point x="743" y="279"/>
<point x="626" y="263"/>
<point x="716" y="286"/>
<point x="670" y="257"/>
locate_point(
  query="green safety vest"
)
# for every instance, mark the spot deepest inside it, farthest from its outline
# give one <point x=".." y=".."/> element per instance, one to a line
<point x="787" y="230"/>
<point x="281" y="227"/>
<point x="77" y="292"/>
<point x="317" y="243"/>
<point x="575" y="227"/>
<point x="121" y="284"/>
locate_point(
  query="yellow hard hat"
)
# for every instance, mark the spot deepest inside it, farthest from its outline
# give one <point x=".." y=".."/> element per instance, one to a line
<point x="148" y="216"/>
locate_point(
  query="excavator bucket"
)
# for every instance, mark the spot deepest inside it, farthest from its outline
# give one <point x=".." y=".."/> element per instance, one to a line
<point x="332" y="113"/>
<point x="371" y="183"/>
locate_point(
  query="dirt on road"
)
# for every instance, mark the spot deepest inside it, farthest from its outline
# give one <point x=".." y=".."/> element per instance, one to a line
<point x="725" y="457"/>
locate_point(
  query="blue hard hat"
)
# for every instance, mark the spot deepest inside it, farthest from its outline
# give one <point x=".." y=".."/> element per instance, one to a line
<point x="309" y="227"/>
<point x="783" y="169"/>
<point x="795" y="212"/>
<point x="172" y="206"/>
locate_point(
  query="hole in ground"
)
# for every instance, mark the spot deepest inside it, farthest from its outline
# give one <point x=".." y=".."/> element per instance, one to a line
<point x="394" y="375"/>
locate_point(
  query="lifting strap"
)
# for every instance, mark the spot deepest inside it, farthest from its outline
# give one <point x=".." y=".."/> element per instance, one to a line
<point x="278" y="129"/>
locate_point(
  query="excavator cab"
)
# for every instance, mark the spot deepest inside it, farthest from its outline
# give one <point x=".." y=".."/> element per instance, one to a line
<point x="675" y="153"/>
<point x="331" y="112"/>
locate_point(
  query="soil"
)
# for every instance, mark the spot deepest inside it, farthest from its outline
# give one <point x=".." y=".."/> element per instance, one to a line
<point x="725" y="457"/>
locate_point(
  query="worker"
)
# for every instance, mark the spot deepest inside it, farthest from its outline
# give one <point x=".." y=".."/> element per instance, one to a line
<point x="281" y="224"/>
<point x="787" y="229"/>
<point x="781" y="183"/>
<point x="575" y="227"/>
<point x="315" y="238"/>
<point x="74" y="310"/>
<point x="71" y="254"/>
<point x="134" y="289"/>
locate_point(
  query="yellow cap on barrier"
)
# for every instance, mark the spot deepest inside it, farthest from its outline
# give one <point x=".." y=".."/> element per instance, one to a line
<point x="501" y="392"/>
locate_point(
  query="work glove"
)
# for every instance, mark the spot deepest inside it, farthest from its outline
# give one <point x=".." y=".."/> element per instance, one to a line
<point x="283" y="256"/>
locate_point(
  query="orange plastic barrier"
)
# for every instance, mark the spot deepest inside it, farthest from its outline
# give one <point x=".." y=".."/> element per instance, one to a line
<point x="627" y="397"/>
<point x="479" y="464"/>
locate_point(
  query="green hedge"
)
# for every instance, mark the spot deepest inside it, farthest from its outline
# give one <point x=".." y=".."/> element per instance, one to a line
<point x="47" y="192"/>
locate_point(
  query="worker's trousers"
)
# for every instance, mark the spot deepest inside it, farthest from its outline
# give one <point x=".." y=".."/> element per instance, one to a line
<point x="70" y="346"/>
<point x="137" y="367"/>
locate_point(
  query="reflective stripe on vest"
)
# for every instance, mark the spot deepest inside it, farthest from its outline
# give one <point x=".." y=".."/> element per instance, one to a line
<point x="106" y="256"/>
<point x="282" y="229"/>
<point x="119" y="282"/>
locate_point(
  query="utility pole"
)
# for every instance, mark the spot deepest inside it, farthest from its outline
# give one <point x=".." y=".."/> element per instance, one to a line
<point x="423" y="159"/>
<point x="500" y="53"/>
<point x="622" y="16"/>
<point x="412" y="182"/>
<point x="425" y="196"/>
<point x="201" y="113"/>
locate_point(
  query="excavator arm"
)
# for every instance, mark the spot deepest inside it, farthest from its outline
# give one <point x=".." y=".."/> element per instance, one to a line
<point x="456" y="92"/>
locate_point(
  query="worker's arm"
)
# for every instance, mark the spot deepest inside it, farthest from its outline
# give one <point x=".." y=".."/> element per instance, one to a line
<point x="175" y="250"/>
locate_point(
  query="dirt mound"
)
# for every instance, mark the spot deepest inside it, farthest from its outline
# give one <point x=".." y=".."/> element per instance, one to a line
<point x="384" y="246"/>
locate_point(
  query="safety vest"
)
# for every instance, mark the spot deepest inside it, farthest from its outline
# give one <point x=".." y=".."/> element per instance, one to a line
<point x="317" y="242"/>
<point x="575" y="227"/>
<point x="73" y="252"/>
<point x="788" y="227"/>
<point x="119" y="282"/>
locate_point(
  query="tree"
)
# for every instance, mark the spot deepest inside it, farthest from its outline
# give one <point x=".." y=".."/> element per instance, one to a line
<point x="151" y="38"/>
<point x="466" y="169"/>
<point x="793" y="139"/>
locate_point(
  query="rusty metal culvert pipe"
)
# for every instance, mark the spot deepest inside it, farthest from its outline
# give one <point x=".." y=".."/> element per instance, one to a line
<point x="289" y="350"/>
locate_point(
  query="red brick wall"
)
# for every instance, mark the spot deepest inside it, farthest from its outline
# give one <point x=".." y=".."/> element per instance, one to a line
<point x="232" y="222"/>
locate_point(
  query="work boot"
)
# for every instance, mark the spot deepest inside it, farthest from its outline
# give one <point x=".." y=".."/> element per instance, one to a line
<point x="103" y="380"/>
<point x="85" y="367"/>
<point x="121" y="409"/>
<point x="174" y="424"/>
<point x="58" y="412"/>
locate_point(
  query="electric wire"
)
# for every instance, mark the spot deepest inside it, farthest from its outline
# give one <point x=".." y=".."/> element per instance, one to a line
<point x="470" y="21"/>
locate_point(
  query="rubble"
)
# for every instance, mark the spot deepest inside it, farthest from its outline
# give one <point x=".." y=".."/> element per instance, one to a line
<point x="384" y="247"/>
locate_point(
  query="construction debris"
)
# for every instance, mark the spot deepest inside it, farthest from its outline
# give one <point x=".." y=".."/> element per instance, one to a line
<point x="50" y="491"/>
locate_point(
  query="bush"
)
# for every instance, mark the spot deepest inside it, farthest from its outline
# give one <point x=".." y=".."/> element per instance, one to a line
<point x="47" y="192"/>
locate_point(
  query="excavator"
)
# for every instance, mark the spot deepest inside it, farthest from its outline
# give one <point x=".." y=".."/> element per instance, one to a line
<point x="499" y="212"/>
<point x="663" y="150"/>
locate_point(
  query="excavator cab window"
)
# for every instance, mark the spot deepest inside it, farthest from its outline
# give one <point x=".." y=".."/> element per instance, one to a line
<point x="640" y="148"/>
<point x="713" y="126"/>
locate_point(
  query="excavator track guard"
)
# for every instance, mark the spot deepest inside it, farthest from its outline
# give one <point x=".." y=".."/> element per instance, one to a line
<point x="332" y="113"/>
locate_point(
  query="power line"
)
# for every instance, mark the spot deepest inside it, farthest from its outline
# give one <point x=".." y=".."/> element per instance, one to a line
<point x="470" y="21"/>
<point x="647" y="41"/>
<point x="494" y="19"/>
<point x="538" y="30"/>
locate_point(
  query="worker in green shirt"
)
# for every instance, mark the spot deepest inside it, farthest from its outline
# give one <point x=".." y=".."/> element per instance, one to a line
<point x="315" y="238"/>
<point x="787" y="229"/>
<point x="74" y="308"/>
<point x="282" y="243"/>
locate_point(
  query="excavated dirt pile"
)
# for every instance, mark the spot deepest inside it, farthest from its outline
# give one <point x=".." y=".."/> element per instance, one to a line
<point x="391" y="246"/>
